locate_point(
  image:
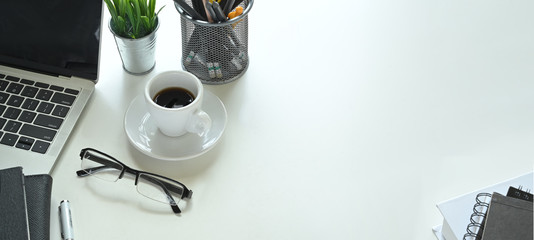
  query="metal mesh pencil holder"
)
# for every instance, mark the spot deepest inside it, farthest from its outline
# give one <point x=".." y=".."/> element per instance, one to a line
<point x="215" y="52"/>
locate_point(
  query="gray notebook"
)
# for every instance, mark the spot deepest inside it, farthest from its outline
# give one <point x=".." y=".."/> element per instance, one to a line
<point x="13" y="211"/>
<point x="508" y="218"/>
<point x="38" y="195"/>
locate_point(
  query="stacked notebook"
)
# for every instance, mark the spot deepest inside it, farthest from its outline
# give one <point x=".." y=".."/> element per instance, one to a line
<point x="507" y="217"/>
<point x="24" y="205"/>
<point x="487" y="212"/>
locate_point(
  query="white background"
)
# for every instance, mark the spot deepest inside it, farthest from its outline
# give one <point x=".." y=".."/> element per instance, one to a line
<point x="353" y="120"/>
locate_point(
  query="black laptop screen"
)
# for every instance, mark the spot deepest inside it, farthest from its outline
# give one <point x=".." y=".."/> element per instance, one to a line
<point x="58" y="37"/>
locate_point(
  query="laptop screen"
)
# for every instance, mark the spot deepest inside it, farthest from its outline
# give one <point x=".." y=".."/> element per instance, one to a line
<point x="57" y="37"/>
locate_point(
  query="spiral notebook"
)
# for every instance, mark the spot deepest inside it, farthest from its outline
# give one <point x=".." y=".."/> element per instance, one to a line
<point x="496" y="216"/>
<point x="457" y="211"/>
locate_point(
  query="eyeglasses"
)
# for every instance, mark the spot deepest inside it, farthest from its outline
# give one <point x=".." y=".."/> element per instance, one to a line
<point x="153" y="186"/>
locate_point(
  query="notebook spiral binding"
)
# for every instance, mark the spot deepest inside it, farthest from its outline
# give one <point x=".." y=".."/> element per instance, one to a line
<point x="477" y="218"/>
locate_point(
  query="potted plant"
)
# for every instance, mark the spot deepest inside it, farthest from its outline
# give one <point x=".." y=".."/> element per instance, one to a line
<point x="134" y="24"/>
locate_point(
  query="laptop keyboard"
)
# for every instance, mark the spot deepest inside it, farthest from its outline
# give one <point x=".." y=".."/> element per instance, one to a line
<point x="32" y="112"/>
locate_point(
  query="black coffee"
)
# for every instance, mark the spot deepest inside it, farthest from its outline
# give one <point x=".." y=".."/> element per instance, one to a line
<point x="174" y="97"/>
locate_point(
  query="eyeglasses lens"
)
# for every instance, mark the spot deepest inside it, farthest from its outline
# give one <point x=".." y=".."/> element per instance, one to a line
<point x="159" y="189"/>
<point x="101" y="166"/>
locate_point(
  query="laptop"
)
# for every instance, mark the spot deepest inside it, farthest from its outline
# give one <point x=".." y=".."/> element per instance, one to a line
<point x="49" y="60"/>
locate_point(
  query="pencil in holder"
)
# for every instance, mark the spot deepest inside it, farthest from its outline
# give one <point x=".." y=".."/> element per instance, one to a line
<point x="214" y="45"/>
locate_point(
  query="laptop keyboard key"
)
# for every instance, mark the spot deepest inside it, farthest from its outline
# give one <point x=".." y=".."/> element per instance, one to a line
<point x="57" y="88"/>
<point x="45" y="107"/>
<point x="3" y="85"/>
<point x="63" y="99"/>
<point x="12" y="113"/>
<point x="60" y="111"/>
<point x="38" y="132"/>
<point x="40" y="147"/>
<point x="2" y="109"/>
<point x="72" y="91"/>
<point x="25" y="143"/>
<point x="29" y="91"/>
<point x="42" y="85"/>
<point x="12" y="126"/>
<point x="2" y="122"/>
<point x="30" y="104"/>
<point x="48" y="121"/>
<point x="27" y="81"/>
<point x="3" y="97"/>
<point x="13" y="78"/>
<point x="14" y="88"/>
<point x="27" y="116"/>
<point x="44" y="94"/>
<point x="15" y="101"/>
<point x="9" y="139"/>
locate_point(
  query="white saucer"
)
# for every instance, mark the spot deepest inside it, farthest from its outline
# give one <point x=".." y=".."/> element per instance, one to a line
<point x="145" y="136"/>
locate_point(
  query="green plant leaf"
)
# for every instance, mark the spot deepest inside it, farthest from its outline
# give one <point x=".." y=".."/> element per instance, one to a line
<point x="136" y="8"/>
<point x="159" y="11"/>
<point x="121" y="27"/>
<point x="122" y="7"/>
<point x="131" y="17"/>
<point x="143" y="7"/>
<point x="116" y="3"/>
<point x="146" y="23"/>
<point x="137" y="15"/>
<point x="151" y="8"/>
<point x="111" y="9"/>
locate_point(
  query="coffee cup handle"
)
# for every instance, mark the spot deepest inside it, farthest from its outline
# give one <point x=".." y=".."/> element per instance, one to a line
<point x="199" y="123"/>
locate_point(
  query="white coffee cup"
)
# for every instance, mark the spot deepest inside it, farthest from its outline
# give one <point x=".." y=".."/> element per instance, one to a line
<point x="177" y="121"/>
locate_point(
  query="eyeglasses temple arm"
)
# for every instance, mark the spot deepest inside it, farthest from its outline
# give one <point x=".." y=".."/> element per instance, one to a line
<point x="186" y="194"/>
<point x="89" y="171"/>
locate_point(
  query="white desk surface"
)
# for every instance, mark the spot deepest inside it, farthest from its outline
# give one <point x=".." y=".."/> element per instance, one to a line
<point x="353" y="120"/>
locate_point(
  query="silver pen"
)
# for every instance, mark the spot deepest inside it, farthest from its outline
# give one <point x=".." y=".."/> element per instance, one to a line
<point x="65" y="220"/>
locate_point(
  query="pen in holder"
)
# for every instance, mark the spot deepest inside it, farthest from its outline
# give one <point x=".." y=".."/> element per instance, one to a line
<point x="214" y="38"/>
